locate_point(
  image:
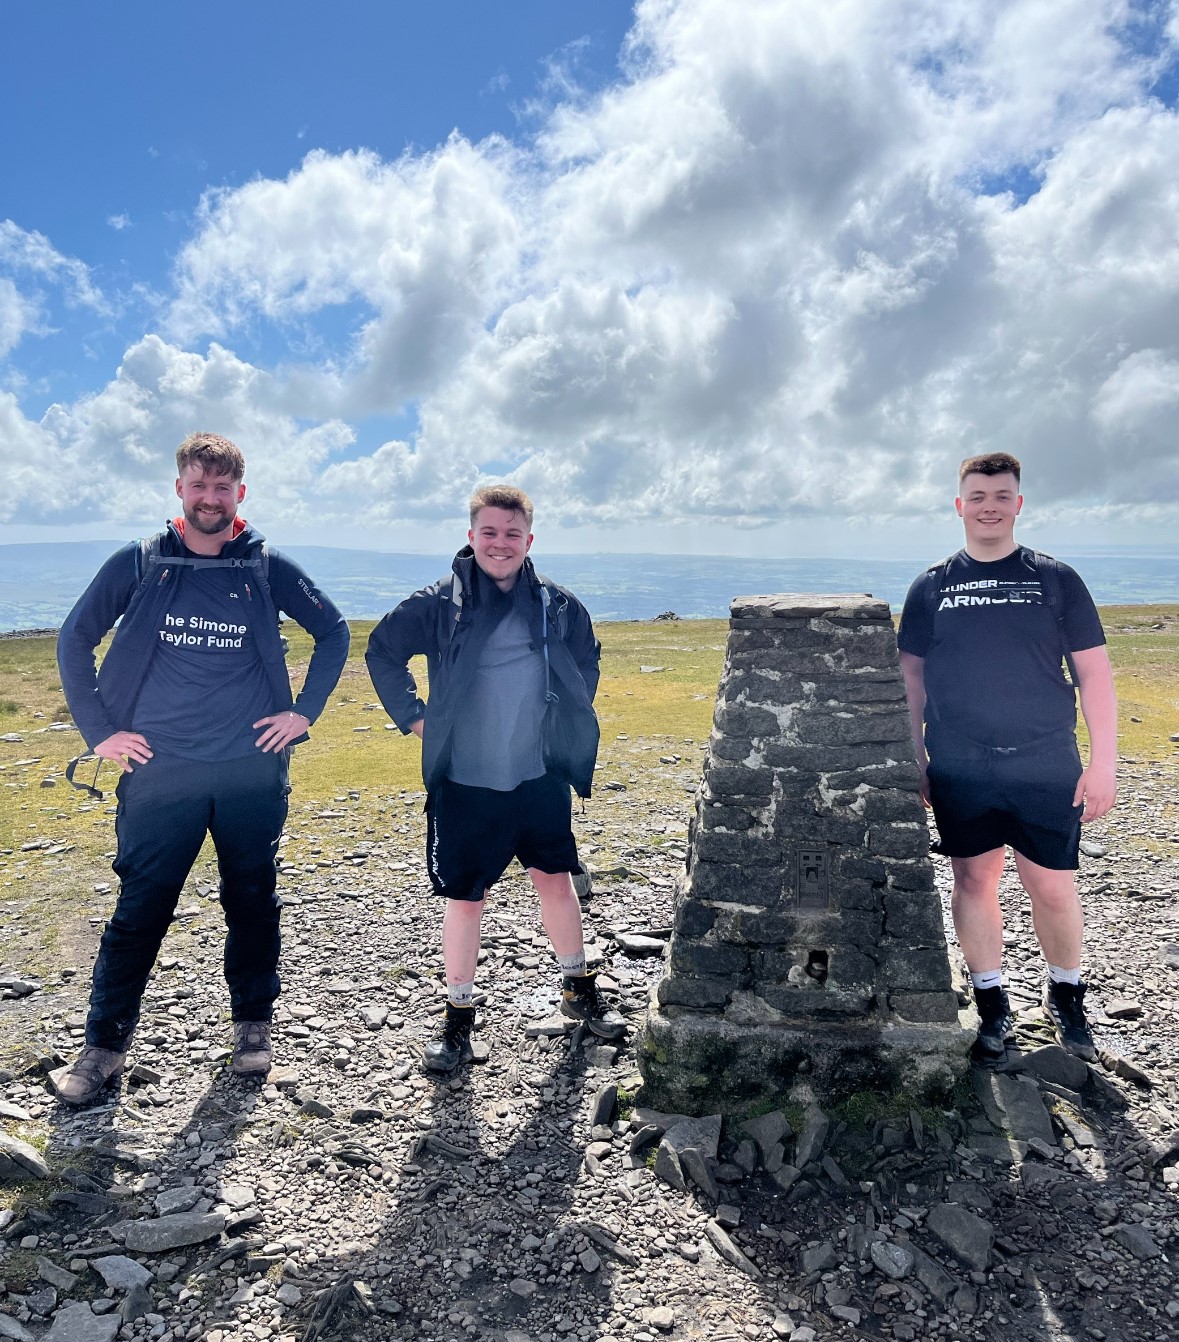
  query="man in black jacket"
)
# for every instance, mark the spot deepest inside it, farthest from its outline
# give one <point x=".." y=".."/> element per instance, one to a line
<point x="193" y="703"/>
<point x="508" y="729"/>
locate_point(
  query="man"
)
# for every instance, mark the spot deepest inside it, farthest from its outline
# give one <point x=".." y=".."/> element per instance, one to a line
<point x="508" y="729"/>
<point x="193" y="703"/>
<point x="982" y="638"/>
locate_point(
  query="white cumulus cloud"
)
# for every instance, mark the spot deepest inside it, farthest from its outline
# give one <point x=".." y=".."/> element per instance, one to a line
<point x="794" y="262"/>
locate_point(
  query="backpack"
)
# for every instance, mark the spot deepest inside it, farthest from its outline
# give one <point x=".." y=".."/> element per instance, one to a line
<point x="151" y="556"/>
<point x="1046" y="569"/>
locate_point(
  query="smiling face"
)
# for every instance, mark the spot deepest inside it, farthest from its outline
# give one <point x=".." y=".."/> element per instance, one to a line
<point x="209" y="501"/>
<point x="988" y="506"/>
<point x="500" y="539"/>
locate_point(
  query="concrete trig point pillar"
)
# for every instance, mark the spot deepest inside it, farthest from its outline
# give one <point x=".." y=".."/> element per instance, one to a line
<point x="808" y="939"/>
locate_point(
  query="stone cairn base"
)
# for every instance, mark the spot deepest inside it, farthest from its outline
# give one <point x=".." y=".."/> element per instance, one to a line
<point x="808" y="942"/>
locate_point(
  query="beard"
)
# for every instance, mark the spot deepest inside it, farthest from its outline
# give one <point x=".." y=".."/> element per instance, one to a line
<point x="208" y="524"/>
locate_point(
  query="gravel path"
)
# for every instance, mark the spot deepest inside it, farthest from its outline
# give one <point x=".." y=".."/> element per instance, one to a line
<point x="353" y="1196"/>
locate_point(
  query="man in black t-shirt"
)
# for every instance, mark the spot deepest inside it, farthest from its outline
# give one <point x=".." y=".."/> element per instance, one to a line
<point x="193" y="704"/>
<point x="982" y="638"/>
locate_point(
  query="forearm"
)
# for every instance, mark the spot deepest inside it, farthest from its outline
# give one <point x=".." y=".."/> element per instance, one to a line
<point x="323" y="671"/>
<point x="913" y="673"/>
<point x="387" y="659"/>
<point x="1099" y="708"/>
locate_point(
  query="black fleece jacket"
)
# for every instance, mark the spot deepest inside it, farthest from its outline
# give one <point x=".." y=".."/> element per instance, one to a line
<point x="103" y="702"/>
<point x="440" y="623"/>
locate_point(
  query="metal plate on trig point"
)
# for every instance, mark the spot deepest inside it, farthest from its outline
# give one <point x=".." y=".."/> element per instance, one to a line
<point x="812" y="879"/>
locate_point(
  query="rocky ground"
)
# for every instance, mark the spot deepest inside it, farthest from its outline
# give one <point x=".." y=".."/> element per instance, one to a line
<point x="351" y="1195"/>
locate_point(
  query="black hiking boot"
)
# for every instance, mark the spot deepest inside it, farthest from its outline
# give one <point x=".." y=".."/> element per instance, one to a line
<point x="995" y="1023"/>
<point x="453" y="1046"/>
<point x="580" y="1000"/>
<point x="1064" y="1003"/>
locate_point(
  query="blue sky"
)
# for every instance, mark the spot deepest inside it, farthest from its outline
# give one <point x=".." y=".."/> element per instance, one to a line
<point x="733" y="279"/>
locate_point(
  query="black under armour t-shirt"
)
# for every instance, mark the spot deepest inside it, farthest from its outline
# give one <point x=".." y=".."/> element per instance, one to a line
<point x="993" y="648"/>
<point x="206" y="685"/>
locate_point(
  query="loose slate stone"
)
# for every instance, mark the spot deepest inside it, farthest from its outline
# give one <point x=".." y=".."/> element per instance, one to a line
<point x="820" y="1258"/>
<point x="729" y="1251"/>
<point x="55" y="1275"/>
<point x="121" y="1272"/>
<point x="169" y="1201"/>
<point x="968" y="1237"/>
<point x="1140" y="1242"/>
<point x="639" y="947"/>
<point x="767" y="1131"/>
<point x="1024" y="1109"/>
<point x="77" y="1322"/>
<point x="173" y="1232"/>
<point x="936" y="1280"/>
<point x="893" y="1259"/>
<point x="605" y="1104"/>
<point x="695" y="1166"/>
<point x="815" y="1126"/>
<point x="19" y="1160"/>
<point x="701" y="1134"/>
<point x="1052" y="1063"/>
<point x="668" y="1168"/>
<point x="136" y="1304"/>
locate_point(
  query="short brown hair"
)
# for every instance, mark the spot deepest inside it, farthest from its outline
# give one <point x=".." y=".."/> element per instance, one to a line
<point x="212" y="453"/>
<point x="507" y="497"/>
<point x="990" y="463"/>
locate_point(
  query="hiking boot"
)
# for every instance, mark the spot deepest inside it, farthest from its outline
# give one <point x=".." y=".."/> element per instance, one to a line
<point x="1064" y="1003"/>
<point x="580" y="1000"/>
<point x="453" y="1046"/>
<point x="995" y="1023"/>
<point x="251" y="1048"/>
<point x="83" y="1082"/>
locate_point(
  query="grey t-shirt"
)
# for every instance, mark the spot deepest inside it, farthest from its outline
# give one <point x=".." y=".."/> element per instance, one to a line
<point x="497" y="735"/>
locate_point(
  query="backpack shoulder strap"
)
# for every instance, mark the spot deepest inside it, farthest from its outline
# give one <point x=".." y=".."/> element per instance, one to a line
<point x="149" y="554"/>
<point x="936" y="575"/>
<point x="450" y="593"/>
<point x="1047" y="569"/>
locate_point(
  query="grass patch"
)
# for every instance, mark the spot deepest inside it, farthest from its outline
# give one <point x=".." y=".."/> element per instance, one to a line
<point x="626" y="1103"/>
<point x="20" y="1270"/>
<point x="644" y="715"/>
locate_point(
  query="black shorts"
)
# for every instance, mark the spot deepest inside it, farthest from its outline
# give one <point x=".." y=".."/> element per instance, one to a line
<point x="472" y="834"/>
<point x="983" y="799"/>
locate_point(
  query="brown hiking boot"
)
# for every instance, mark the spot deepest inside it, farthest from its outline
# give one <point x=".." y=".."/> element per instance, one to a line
<point x="251" y="1048"/>
<point x="84" y="1080"/>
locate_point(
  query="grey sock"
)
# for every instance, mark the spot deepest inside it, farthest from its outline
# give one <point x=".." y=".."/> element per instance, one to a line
<point x="460" y="994"/>
<point x="573" y="965"/>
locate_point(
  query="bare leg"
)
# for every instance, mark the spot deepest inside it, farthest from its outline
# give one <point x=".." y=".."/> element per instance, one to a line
<point x="559" y="910"/>
<point x="978" y="919"/>
<point x="1056" y="911"/>
<point x="460" y="939"/>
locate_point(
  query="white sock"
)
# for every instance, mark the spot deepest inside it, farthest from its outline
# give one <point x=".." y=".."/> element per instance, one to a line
<point x="573" y="965"/>
<point x="1058" y="975"/>
<point x="989" y="978"/>
<point x="460" y="994"/>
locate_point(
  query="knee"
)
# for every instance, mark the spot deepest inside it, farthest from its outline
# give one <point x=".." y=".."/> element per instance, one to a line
<point x="464" y="910"/>
<point x="1053" y="897"/>
<point x="975" y="886"/>
<point x="251" y="894"/>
